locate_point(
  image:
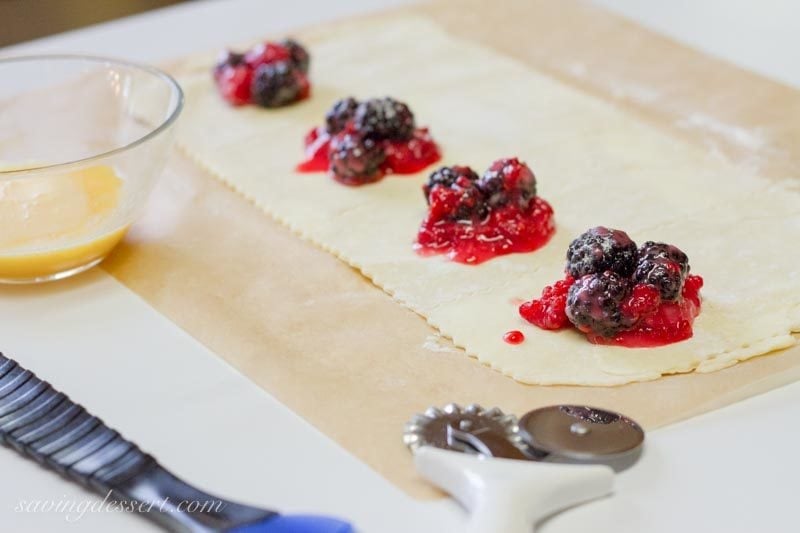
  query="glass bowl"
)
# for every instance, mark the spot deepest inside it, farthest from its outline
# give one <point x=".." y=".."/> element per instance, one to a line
<point x="82" y="142"/>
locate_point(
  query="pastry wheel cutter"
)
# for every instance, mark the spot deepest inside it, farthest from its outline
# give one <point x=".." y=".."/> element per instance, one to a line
<point x="510" y="474"/>
<point x="44" y="424"/>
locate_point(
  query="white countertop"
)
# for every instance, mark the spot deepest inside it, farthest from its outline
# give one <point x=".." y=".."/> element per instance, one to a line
<point x="729" y="471"/>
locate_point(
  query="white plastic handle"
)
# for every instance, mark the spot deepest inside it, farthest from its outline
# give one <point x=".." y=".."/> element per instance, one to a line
<point x="509" y="496"/>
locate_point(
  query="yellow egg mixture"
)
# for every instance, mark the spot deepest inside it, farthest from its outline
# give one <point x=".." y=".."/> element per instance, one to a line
<point x="57" y="223"/>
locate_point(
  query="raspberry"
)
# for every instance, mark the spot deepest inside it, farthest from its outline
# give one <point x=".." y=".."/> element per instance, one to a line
<point x="691" y="289"/>
<point x="412" y="155"/>
<point x="452" y="194"/>
<point x="297" y="54"/>
<point x="354" y="158"/>
<point x="644" y="299"/>
<point x="266" y="53"/>
<point x="508" y="180"/>
<point x="462" y="201"/>
<point x="549" y="311"/>
<point x="234" y="83"/>
<point x="594" y="303"/>
<point x="384" y="118"/>
<point x="600" y="249"/>
<point x="340" y="114"/>
<point x="278" y="84"/>
<point x="693" y="284"/>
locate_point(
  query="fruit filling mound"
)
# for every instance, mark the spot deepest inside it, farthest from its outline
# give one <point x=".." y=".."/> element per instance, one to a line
<point x="268" y="75"/>
<point x="473" y="219"/>
<point x="620" y="294"/>
<point x="361" y="142"/>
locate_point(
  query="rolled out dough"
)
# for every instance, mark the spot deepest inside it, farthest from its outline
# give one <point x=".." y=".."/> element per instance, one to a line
<point x="595" y="164"/>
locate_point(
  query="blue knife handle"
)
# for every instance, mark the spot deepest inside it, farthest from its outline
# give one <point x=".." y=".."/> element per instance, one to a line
<point x="44" y="424"/>
<point x="296" y="524"/>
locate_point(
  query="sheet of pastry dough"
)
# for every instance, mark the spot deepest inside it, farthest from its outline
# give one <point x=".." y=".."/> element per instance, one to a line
<point x="594" y="164"/>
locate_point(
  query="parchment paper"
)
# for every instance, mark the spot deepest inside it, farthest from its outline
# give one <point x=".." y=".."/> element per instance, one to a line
<point x="341" y="353"/>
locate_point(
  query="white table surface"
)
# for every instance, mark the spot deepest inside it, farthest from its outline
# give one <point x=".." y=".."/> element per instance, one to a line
<point x="729" y="471"/>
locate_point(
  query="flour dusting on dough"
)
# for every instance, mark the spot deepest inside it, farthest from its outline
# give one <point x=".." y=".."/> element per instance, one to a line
<point x="437" y="344"/>
<point x="751" y="139"/>
<point x="622" y="89"/>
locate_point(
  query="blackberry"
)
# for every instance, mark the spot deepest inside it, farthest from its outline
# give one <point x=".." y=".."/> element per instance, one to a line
<point x="228" y="59"/>
<point x="507" y="180"/>
<point x="456" y="203"/>
<point x="340" y="114"/>
<point x="448" y="177"/>
<point x="594" y="303"/>
<point x="664" y="266"/>
<point x="277" y="84"/>
<point x="354" y="158"/>
<point x="600" y="249"/>
<point x="298" y="54"/>
<point x="659" y="250"/>
<point x="384" y="118"/>
<point x="452" y="193"/>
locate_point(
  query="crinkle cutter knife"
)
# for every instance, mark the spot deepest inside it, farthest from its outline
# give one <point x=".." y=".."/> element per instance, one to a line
<point x="511" y="474"/>
<point x="45" y="425"/>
